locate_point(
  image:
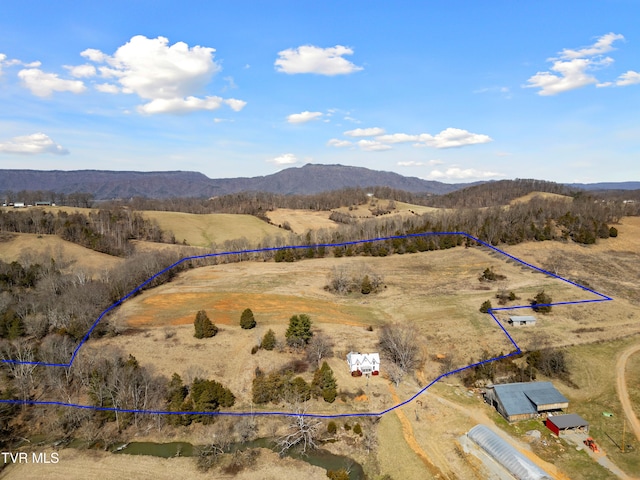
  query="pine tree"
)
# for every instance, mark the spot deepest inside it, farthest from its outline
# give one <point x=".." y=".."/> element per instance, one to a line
<point x="324" y="383"/>
<point x="299" y="332"/>
<point x="366" y="286"/>
<point x="247" y="319"/>
<point x="269" y="340"/>
<point x="204" y="328"/>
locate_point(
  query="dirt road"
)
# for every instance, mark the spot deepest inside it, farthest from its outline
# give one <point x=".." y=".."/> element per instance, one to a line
<point x="621" y="385"/>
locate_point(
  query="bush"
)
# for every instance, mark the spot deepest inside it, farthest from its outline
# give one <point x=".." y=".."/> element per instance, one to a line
<point x="332" y="428"/>
<point x="357" y="429"/>
<point x="254" y="349"/>
<point x="541" y="302"/>
<point x="486" y="306"/>
<point x="341" y="474"/>
<point x="247" y="320"/>
<point x="613" y="232"/>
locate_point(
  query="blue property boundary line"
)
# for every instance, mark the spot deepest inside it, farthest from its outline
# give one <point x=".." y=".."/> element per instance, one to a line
<point x="517" y="351"/>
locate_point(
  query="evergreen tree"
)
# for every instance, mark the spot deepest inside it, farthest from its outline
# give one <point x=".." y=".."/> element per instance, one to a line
<point x="540" y="302"/>
<point x="299" y="332"/>
<point x="269" y="340"/>
<point x="247" y="320"/>
<point x="324" y="383"/>
<point x="204" y="328"/>
<point x="366" y="287"/>
<point x="486" y="306"/>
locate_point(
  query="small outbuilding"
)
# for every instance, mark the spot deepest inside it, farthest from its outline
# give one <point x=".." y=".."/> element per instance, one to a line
<point x="522" y="320"/>
<point x="363" y="363"/>
<point x="571" y="422"/>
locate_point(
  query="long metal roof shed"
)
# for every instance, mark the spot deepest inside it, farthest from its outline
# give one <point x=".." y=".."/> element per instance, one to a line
<point x="516" y="401"/>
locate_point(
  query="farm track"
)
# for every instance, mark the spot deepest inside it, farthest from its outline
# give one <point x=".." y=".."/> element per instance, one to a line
<point x="621" y="387"/>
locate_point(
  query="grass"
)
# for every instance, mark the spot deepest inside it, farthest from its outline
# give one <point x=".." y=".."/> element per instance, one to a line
<point x="214" y="228"/>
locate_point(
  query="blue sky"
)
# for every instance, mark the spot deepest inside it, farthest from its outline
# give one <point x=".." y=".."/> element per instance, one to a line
<point x="450" y="91"/>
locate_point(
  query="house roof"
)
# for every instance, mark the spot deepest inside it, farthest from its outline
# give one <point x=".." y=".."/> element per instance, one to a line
<point x="522" y="318"/>
<point x="527" y="398"/>
<point x="354" y="358"/>
<point x="571" y="420"/>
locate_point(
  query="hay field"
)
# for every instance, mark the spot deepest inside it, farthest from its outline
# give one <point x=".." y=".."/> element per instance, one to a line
<point x="18" y="246"/>
<point x="213" y="228"/>
<point x="543" y="195"/>
<point x="302" y="220"/>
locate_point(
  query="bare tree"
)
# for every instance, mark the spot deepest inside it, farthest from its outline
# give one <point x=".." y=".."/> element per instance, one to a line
<point x="302" y="431"/>
<point x="319" y="347"/>
<point x="400" y="345"/>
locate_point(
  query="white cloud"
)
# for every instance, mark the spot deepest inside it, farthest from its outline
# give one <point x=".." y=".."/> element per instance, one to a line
<point x="456" y="173"/>
<point x="601" y="46"/>
<point x="44" y="84"/>
<point x="235" y="104"/>
<point x="31" y="145"/>
<point x="169" y="76"/>
<point x="413" y="163"/>
<point x="573" y="69"/>
<point x="372" y="146"/>
<point x="452" y="137"/>
<point x="286" y="159"/>
<point x="303" y="117"/>
<point x="81" y="71"/>
<point x="397" y="138"/>
<point x="94" y="55"/>
<point x="312" y="59"/>
<point x="364" y="132"/>
<point x="572" y="74"/>
<point x="107" y="88"/>
<point x="628" y="78"/>
<point x="335" y="142"/>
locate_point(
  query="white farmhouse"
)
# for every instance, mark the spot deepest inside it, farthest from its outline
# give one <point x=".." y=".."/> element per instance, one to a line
<point x="363" y="363"/>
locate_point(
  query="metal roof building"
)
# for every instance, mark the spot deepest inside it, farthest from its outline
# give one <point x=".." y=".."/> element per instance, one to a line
<point x="522" y="320"/>
<point x="562" y="423"/>
<point x="520" y="401"/>
<point x="511" y="459"/>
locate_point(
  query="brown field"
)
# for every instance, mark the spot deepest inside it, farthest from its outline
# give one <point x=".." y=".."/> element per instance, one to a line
<point x="76" y="464"/>
<point x="543" y="195"/>
<point x="214" y="228"/>
<point x="19" y="246"/>
<point x="302" y="220"/>
<point x="436" y="292"/>
<point x="439" y="295"/>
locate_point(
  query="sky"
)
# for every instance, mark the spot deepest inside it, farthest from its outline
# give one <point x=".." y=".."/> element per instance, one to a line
<point x="454" y="91"/>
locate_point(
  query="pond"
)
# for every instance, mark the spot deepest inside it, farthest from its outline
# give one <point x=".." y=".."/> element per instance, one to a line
<point x="319" y="458"/>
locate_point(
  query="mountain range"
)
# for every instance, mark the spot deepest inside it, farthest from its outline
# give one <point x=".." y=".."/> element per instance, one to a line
<point x="308" y="179"/>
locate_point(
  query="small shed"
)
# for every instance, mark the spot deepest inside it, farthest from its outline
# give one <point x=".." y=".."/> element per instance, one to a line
<point x="522" y="320"/>
<point x="569" y="422"/>
<point x="363" y="363"/>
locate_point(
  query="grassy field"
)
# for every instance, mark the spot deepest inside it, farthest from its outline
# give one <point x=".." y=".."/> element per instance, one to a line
<point x="215" y="228"/>
<point x="20" y="246"/>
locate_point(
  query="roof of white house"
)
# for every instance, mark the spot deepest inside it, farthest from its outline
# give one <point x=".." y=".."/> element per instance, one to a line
<point x="355" y="359"/>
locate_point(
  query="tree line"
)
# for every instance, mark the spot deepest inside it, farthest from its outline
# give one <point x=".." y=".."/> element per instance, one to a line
<point x="107" y="231"/>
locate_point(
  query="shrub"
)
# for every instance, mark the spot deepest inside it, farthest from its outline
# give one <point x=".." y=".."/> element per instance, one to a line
<point x="254" y="349"/>
<point x="357" y="429"/>
<point x="613" y="232"/>
<point x="341" y="474"/>
<point x="247" y="320"/>
<point x="540" y="302"/>
<point x="332" y="428"/>
<point x="486" y="305"/>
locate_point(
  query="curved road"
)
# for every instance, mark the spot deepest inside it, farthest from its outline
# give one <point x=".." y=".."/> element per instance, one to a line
<point x="621" y="385"/>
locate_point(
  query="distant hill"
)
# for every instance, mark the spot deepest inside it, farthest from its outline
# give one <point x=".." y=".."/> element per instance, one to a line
<point x="605" y="186"/>
<point x="308" y="179"/>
